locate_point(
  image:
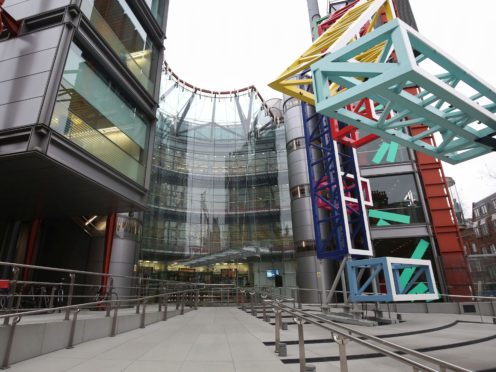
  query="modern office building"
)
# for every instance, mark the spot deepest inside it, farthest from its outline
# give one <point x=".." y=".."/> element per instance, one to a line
<point x="223" y="176"/>
<point x="219" y="197"/>
<point x="224" y="198"/>
<point x="80" y="85"/>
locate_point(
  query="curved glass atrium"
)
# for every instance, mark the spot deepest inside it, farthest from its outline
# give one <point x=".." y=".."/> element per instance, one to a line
<point x="219" y="186"/>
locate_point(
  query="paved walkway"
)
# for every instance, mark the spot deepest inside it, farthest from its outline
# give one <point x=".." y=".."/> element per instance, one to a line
<point x="227" y="339"/>
<point x="210" y="339"/>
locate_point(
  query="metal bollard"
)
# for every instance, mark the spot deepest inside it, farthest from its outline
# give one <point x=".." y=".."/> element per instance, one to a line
<point x="10" y="341"/>
<point x="182" y="303"/>
<point x="113" y="331"/>
<point x="72" y="277"/>
<point x="12" y="289"/>
<point x="72" y="332"/>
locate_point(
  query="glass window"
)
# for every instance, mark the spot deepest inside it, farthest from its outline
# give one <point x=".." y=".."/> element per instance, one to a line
<point x="92" y="113"/>
<point x="484" y="229"/>
<point x="157" y="7"/>
<point x="476" y="212"/>
<point x="474" y="248"/>
<point x="380" y="152"/>
<point x="397" y="194"/>
<point x="484" y="209"/>
<point x="492" y="247"/>
<point x="119" y="27"/>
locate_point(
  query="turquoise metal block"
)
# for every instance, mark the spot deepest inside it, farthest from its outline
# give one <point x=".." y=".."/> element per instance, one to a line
<point x="386" y="271"/>
<point x="417" y="84"/>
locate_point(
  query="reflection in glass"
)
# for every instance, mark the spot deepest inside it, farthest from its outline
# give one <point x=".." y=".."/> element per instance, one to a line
<point x="397" y="194"/>
<point x="93" y="114"/>
<point x="219" y="182"/>
<point x="366" y="153"/>
<point x="116" y="23"/>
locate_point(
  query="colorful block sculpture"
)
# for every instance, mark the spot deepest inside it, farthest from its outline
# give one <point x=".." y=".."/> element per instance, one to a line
<point x="356" y="19"/>
<point x="418" y="285"/>
<point x="408" y="94"/>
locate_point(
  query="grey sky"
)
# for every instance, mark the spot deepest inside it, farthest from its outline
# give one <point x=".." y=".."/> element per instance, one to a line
<point x="229" y="44"/>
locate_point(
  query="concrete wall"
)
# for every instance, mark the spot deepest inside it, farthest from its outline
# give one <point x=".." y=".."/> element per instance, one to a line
<point x="32" y="340"/>
<point x="468" y="308"/>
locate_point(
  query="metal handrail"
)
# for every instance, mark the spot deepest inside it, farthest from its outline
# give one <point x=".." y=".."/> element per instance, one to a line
<point x="347" y="333"/>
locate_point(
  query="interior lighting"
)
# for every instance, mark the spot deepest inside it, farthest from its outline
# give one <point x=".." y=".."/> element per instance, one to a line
<point x="90" y="220"/>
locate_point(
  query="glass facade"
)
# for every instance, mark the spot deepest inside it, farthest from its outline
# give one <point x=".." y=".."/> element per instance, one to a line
<point x="93" y="113"/>
<point x="157" y="7"/>
<point x="367" y="154"/>
<point x="397" y="194"/>
<point x="219" y="179"/>
<point x="116" y="23"/>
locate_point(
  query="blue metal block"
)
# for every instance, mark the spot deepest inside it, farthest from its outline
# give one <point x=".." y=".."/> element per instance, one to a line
<point x="387" y="272"/>
<point x="409" y="94"/>
<point x="338" y="205"/>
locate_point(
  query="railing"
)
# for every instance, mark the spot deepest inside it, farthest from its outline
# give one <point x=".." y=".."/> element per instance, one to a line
<point x="342" y="334"/>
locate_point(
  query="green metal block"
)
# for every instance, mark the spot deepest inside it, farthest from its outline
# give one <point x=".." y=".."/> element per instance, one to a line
<point x="389" y="216"/>
<point x="407" y="91"/>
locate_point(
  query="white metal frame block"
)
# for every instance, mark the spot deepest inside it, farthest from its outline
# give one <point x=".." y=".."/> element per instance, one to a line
<point x="402" y="279"/>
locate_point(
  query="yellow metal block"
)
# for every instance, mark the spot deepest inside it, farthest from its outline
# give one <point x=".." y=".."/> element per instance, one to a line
<point x="357" y="17"/>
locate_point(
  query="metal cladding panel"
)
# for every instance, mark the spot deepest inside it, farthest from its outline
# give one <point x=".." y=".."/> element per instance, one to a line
<point x="20" y="9"/>
<point x="23" y="88"/>
<point x="405" y="13"/>
<point x="26" y="64"/>
<point x="18" y="114"/>
<point x="297" y="164"/>
<point x="293" y="124"/>
<point x="301" y="216"/>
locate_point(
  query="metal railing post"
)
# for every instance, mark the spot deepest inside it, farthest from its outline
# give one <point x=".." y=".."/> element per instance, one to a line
<point x="72" y="279"/>
<point x="264" y="309"/>
<point x="166" y="300"/>
<point x="343" y="361"/>
<point x="72" y="332"/>
<point x="301" y="345"/>
<point x="12" y="290"/>
<point x="52" y="297"/>
<point x="252" y="300"/>
<point x="108" y="296"/>
<point x="243" y="307"/>
<point x="139" y="292"/>
<point x="182" y="303"/>
<point x="197" y="298"/>
<point x="143" y="314"/>
<point x="277" y="329"/>
<point x="113" y="331"/>
<point x="161" y="298"/>
<point x="10" y="341"/>
<point x="298" y="293"/>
